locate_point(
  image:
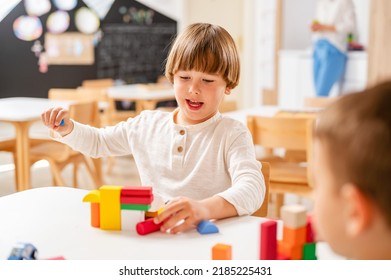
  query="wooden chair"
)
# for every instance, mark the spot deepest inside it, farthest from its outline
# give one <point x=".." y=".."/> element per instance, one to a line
<point x="60" y="155"/>
<point x="8" y="145"/>
<point x="263" y="210"/>
<point x="294" y="134"/>
<point x="98" y="83"/>
<point x="319" y="102"/>
<point x="228" y="106"/>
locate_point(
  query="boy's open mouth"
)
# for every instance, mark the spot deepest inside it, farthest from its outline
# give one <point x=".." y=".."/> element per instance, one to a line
<point x="194" y="104"/>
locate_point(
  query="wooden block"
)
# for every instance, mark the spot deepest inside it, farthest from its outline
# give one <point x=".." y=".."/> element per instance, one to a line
<point x="95" y="215"/>
<point x="310" y="236"/>
<point x="268" y="240"/>
<point x="309" y="251"/>
<point x="293" y="252"/>
<point x="207" y="227"/>
<point x="294" y="216"/>
<point x="110" y="210"/>
<point x="221" y="252"/>
<point x="136" y="191"/>
<point x="153" y="214"/>
<point x="147" y="226"/>
<point x="136" y="199"/>
<point x="139" y="207"/>
<point x="92" y="196"/>
<point x="129" y="219"/>
<point x="294" y="236"/>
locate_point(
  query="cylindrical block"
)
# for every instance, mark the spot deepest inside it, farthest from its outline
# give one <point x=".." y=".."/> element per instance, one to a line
<point x="147" y="226"/>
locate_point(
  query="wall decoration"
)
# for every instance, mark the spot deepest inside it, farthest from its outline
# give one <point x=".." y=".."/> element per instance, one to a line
<point x="57" y="22"/>
<point x="86" y="21"/>
<point x="100" y="7"/>
<point x="27" y="28"/>
<point x="37" y="7"/>
<point x="6" y="6"/>
<point x="69" y="48"/>
<point x="65" y="5"/>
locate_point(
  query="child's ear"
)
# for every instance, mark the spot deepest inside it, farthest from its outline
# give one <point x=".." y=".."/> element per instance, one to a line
<point x="358" y="210"/>
<point x="228" y="90"/>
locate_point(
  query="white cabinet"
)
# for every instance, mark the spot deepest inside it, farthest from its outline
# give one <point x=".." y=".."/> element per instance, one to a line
<point x="296" y="81"/>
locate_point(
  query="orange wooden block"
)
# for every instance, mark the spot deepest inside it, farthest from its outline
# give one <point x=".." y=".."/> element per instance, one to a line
<point x="221" y="252"/>
<point x="293" y="252"/>
<point x="294" y="236"/>
<point x="95" y="215"/>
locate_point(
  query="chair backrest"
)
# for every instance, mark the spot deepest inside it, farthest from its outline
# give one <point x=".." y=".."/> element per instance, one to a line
<point x="99" y="83"/>
<point x="279" y="132"/>
<point x="293" y="134"/>
<point x="85" y="112"/>
<point x="319" y="102"/>
<point x="262" y="211"/>
<point x="63" y="94"/>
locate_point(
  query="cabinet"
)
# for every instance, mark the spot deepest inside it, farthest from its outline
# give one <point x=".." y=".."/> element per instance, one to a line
<point x="296" y="81"/>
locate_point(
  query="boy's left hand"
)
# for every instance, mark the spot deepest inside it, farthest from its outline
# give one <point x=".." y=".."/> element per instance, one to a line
<point x="181" y="214"/>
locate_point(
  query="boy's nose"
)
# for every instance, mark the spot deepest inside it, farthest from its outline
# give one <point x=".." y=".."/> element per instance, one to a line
<point x="194" y="88"/>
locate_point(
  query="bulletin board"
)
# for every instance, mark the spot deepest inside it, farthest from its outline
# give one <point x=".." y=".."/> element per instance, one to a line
<point x="70" y="48"/>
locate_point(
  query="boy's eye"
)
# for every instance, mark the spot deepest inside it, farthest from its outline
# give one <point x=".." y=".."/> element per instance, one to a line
<point x="184" y="77"/>
<point x="208" y="81"/>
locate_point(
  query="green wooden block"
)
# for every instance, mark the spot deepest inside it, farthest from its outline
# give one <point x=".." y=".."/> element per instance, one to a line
<point x="309" y="251"/>
<point x="139" y="207"/>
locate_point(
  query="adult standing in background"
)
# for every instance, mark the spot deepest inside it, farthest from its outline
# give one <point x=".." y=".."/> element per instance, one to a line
<point x="334" y="21"/>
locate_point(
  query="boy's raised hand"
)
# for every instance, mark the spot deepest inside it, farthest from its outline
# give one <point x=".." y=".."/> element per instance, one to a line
<point x="57" y="118"/>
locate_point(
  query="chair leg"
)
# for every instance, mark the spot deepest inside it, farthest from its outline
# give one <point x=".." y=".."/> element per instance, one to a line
<point x="56" y="172"/>
<point x="91" y="170"/>
<point x="110" y="165"/>
<point x="279" y="203"/>
<point x="75" y="168"/>
<point x="16" y="171"/>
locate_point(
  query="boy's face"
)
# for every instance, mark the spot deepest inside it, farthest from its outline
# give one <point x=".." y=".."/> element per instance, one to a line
<point x="198" y="95"/>
<point x="329" y="221"/>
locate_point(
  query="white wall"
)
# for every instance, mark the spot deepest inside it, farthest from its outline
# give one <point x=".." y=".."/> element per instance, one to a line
<point x="298" y="15"/>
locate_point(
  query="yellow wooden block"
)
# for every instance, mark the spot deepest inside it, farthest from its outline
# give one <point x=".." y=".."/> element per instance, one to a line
<point x="92" y="196"/>
<point x="153" y="214"/>
<point x="110" y="207"/>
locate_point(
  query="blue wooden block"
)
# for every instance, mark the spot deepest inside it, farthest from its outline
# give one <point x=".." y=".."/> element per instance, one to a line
<point x="206" y="227"/>
<point x="62" y="122"/>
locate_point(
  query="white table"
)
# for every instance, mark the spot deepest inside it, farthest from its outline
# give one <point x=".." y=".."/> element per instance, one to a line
<point x="22" y="112"/>
<point x="146" y="97"/>
<point x="57" y="222"/>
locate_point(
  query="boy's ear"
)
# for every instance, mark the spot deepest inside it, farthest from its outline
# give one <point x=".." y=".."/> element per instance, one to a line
<point x="358" y="210"/>
<point x="228" y="90"/>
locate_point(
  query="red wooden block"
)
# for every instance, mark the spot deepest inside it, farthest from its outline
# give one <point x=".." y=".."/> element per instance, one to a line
<point x="268" y="250"/>
<point x="310" y="236"/>
<point x="136" y="191"/>
<point x="147" y="226"/>
<point x="136" y="199"/>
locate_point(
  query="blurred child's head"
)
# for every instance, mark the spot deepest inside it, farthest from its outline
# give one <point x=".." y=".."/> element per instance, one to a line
<point x="352" y="169"/>
<point x="207" y="48"/>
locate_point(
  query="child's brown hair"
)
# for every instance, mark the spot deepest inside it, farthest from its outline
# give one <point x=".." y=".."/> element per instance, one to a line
<point x="356" y="131"/>
<point x="205" y="48"/>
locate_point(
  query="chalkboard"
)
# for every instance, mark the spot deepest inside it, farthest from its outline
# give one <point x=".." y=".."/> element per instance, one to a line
<point x="134" y="53"/>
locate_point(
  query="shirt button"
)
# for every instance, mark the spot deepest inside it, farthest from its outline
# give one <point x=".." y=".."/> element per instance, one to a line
<point x="182" y="132"/>
<point x="180" y="149"/>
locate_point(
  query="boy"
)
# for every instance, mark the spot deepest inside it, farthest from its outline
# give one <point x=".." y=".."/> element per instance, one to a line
<point x="352" y="169"/>
<point x="202" y="162"/>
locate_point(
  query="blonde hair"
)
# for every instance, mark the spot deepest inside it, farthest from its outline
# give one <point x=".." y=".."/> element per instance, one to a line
<point x="205" y="48"/>
<point x="356" y="131"/>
